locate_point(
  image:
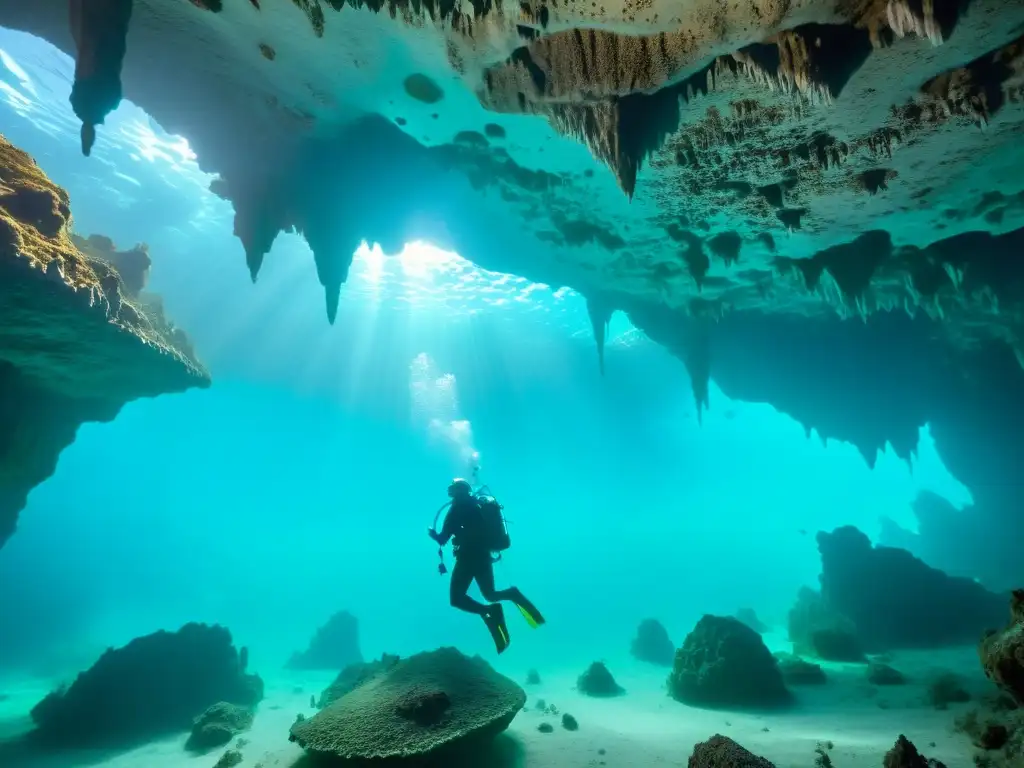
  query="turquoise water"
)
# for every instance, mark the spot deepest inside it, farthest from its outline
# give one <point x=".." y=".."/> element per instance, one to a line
<point x="304" y="480"/>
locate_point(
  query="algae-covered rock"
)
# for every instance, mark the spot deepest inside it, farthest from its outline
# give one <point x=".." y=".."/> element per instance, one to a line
<point x="156" y="684"/>
<point x="75" y="344"/>
<point x="724" y="663"/>
<point x="905" y="755"/>
<point x="722" y="752"/>
<point x="422" y="706"/>
<point x="334" y="646"/>
<point x="354" y="675"/>
<point x="652" y="643"/>
<point x="1002" y="653"/>
<point x="218" y="725"/>
<point x="598" y="682"/>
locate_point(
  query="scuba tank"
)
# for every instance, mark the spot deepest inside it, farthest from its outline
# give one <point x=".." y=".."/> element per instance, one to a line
<point x="494" y="534"/>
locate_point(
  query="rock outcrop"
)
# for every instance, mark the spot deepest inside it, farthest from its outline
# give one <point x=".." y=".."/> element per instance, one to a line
<point x="724" y="663"/>
<point x="905" y="755"/>
<point x="1002" y="653"/>
<point x="797" y="671"/>
<point x="652" y="644"/>
<point x="156" y="684"/>
<point x="334" y="646"/>
<point x="429" y="705"/>
<point x="76" y="340"/>
<point x="897" y="601"/>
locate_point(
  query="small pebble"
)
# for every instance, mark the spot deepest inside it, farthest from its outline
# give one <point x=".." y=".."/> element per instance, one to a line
<point x="601" y="751"/>
<point x="765" y="729"/>
<point x="545" y="728"/>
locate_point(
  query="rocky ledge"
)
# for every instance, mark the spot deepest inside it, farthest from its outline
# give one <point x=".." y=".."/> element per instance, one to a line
<point x="78" y="338"/>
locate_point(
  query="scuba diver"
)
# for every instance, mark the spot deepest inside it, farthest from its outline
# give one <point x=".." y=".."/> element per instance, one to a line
<point x="476" y="523"/>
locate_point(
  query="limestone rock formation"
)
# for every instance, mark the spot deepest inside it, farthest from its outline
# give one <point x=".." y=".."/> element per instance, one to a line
<point x="156" y="684"/>
<point x="334" y="646"/>
<point x="76" y="344"/>
<point x="598" y="682"/>
<point x="737" y="177"/>
<point x="816" y="629"/>
<point x="722" y="752"/>
<point x="652" y="644"/>
<point x="1002" y="653"/>
<point x="354" y="675"/>
<point x="430" y="704"/>
<point x="897" y="601"/>
<point x="724" y="663"/>
<point x="218" y="725"/>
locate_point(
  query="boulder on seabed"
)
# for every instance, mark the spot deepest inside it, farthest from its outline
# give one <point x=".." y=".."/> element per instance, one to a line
<point x="652" y="644"/>
<point x="817" y="630"/>
<point x="155" y="684"/>
<point x="429" y="706"/>
<point x="218" y="725"/>
<point x="797" y="671"/>
<point x="724" y="663"/>
<point x="334" y="646"/>
<point x="722" y="752"/>
<point x="598" y="682"/>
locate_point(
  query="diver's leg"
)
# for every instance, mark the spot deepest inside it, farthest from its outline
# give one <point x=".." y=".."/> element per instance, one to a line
<point x="485" y="580"/>
<point x="462" y="577"/>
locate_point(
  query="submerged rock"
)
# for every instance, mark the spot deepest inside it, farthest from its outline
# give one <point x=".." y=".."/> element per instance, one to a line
<point x="883" y="674"/>
<point x="724" y="663"/>
<point x="722" y="752"/>
<point x="218" y="725"/>
<point x="334" y="646"/>
<point x="1002" y="653"/>
<point x="569" y="722"/>
<point x="533" y="677"/>
<point x="897" y="601"/>
<point x="427" y="706"/>
<point x="945" y="689"/>
<point x="229" y="759"/>
<point x="156" y="684"/>
<point x="797" y="671"/>
<point x="354" y="675"/>
<point x="598" y="682"/>
<point x="652" y="643"/>
<point x="905" y="755"/>
<point x="75" y="344"/>
<point x="815" y="629"/>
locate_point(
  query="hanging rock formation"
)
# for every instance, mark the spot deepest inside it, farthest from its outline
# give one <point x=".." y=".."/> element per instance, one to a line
<point x="77" y="339"/>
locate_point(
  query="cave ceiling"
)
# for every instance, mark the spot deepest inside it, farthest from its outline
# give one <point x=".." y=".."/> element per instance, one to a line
<point x="722" y="171"/>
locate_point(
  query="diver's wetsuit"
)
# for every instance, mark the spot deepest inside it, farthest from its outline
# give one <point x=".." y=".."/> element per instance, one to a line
<point x="472" y="559"/>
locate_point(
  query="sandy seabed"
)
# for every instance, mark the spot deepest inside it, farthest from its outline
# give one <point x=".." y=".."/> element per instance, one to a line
<point x="644" y="727"/>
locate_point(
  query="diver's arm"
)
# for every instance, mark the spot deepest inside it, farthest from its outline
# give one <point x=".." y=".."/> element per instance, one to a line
<point x="451" y="524"/>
